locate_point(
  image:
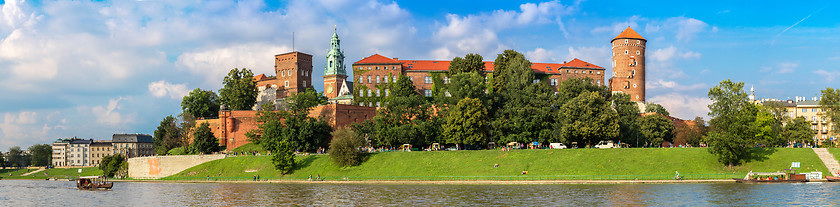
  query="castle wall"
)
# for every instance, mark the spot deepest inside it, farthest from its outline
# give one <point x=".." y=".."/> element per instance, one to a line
<point x="163" y="166"/>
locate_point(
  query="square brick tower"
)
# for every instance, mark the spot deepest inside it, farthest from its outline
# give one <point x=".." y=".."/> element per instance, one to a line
<point x="628" y="56"/>
<point x="294" y="73"/>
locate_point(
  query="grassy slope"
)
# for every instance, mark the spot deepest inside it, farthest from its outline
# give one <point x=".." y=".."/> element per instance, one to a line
<point x="55" y="172"/>
<point x="250" y="147"/>
<point x="537" y="162"/>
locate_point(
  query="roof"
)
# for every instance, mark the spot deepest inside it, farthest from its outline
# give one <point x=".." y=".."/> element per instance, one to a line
<point x="81" y="141"/>
<point x="132" y="138"/>
<point x="807" y="103"/>
<point x="377" y="59"/>
<point x="260" y="77"/>
<point x="443" y="65"/>
<point x="291" y="53"/>
<point x="629" y="34"/>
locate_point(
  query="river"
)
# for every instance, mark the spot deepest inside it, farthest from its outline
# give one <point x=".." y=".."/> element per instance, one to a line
<point x="63" y="193"/>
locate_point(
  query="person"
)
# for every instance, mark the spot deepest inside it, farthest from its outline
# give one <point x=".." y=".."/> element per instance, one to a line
<point x="677" y="176"/>
<point x="319" y="177"/>
<point x="495" y="166"/>
<point x="310" y="177"/>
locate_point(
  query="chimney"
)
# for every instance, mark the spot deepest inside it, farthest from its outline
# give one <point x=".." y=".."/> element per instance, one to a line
<point x="397" y="59"/>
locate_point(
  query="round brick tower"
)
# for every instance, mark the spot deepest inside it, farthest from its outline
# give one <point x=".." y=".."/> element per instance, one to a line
<point x="628" y="56"/>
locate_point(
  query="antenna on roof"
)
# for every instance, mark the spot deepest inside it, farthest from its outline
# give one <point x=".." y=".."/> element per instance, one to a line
<point x="293" y="41"/>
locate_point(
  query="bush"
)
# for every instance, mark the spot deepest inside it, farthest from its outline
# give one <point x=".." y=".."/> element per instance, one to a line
<point x="344" y="148"/>
<point x="112" y="164"/>
<point x="178" y="151"/>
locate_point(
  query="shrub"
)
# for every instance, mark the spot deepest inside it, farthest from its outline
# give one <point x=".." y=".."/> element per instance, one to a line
<point x="178" y="151"/>
<point x="344" y="148"/>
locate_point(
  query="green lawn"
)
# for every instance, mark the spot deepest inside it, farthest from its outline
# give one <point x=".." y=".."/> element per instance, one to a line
<point x="54" y="172"/>
<point x="250" y="147"/>
<point x="835" y="152"/>
<point x="631" y="161"/>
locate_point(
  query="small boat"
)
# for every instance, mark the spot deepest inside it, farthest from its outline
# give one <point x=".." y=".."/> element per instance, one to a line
<point x="832" y="178"/>
<point x="93" y="183"/>
<point x="788" y="176"/>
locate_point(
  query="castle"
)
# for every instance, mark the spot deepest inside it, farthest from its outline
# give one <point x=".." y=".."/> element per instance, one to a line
<point x="354" y="102"/>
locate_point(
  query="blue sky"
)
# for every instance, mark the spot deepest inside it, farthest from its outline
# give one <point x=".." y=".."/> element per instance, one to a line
<point x="92" y="69"/>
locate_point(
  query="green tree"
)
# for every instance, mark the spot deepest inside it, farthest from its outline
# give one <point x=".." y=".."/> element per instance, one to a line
<point x="201" y="103"/>
<point x="2" y="161"/>
<point x="467" y="123"/>
<point x="469" y="64"/>
<point x="16" y="157"/>
<point x="588" y="119"/>
<point x="767" y="128"/>
<point x="799" y="130"/>
<point x="111" y="164"/>
<point x="653" y="107"/>
<point x="407" y="118"/>
<point x="240" y="90"/>
<point x="41" y="154"/>
<point x="403" y="88"/>
<point x="628" y="119"/>
<point x="204" y="141"/>
<point x="572" y="88"/>
<point x="830" y="104"/>
<point x="656" y="129"/>
<point x="733" y="120"/>
<point x="345" y="148"/>
<point x="168" y="135"/>
<point x="283" y="157"/>
<point x="501" y="66"/>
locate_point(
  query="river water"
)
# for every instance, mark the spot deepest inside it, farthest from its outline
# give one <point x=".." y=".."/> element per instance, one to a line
<point x="63" y="193"/>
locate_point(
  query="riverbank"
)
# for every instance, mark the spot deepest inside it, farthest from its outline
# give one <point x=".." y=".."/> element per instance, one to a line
<point x="59" y="173"/>
<point x="475" y="182"/>
<point x="597" y="164"/>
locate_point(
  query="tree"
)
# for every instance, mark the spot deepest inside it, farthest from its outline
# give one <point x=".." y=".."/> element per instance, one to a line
<point x="466" y="123"/>
<point x="830" y="104"/>
<point x="588" y="119"/>
<point x="204" y="141"/>
<point x="168" y="135"/>
<point x="501" y="66"/>
<point x="733" y="119"/>
<point x="2" y="161"/>
<point x="111" y="164"/>
<point x="691" y="134"/>
<point x="628" y="119"/>
<point x="798" y="130"/>
<point x="16" y="158"/>
<point x="201" y="103"/>
<point x="469" y="64"/>
<point x="344" y="148"/>
<point x="656" y="129"/>
<point x="653" y="107"/>
<point x="41" y="154"/>
<point x="767" y="128"/>
<point x="573" y="87"/>
<point x="239" y="91"/>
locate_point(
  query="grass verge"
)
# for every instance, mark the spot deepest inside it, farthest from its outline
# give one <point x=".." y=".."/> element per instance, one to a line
<point x="630" y="161"/>
<point x="60" y="173"/>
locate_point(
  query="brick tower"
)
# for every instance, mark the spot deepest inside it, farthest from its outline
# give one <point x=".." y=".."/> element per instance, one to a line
<point x="628" y="56"/>
<point x="294" y="73"/>
<point x="334" y="72"/>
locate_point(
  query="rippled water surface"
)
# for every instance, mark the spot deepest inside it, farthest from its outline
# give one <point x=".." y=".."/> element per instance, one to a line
<point x="62" y="193"/>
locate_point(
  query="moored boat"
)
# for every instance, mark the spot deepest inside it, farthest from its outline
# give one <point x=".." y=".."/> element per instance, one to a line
<point x="832" y="178"/>
<point x="788" y="176"/>
<point x="93" y="183"/>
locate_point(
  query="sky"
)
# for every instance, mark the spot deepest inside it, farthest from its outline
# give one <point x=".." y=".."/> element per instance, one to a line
<point x="90" y="69"/>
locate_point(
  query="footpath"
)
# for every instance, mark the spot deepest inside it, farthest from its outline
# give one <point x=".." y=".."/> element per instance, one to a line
<point x="33" y="172"/>
<point x="828" y="159"/>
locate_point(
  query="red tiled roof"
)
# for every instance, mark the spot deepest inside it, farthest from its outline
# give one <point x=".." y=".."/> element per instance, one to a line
<point x="376" y="58"/>
<point x="260" y="77"/>
<point x="629" y="34"/>
<point x="577" y="63"/>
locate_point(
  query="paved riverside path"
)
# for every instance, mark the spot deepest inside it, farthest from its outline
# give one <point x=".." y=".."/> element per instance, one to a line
<point x="33" y="172"/>
<point x="828" y="160"/>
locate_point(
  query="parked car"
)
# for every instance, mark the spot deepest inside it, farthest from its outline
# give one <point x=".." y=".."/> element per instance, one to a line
<point x="605" y="144"/>
<point x="557" y="146"/>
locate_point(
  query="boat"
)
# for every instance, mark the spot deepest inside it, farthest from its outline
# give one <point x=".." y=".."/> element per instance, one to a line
<point x="832" y="178"/>
<point x="93" y="183"/>
<point x="788" y="176"/>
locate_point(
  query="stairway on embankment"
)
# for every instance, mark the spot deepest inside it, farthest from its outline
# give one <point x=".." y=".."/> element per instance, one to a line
<point x="828" y="159"/>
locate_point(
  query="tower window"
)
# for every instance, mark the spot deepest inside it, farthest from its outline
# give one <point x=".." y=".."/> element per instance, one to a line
<point x="638" y="42"/>
<point x="626" y="52"/>
<point x="634" y="85"/>
<point x="287" y="84"/>
<point x="638" y="52"/>
<point x="377" y="67"/>
<point x="625" y="41"/>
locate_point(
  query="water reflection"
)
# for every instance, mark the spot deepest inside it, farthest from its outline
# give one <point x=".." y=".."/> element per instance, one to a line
<point x="55" y="193"/>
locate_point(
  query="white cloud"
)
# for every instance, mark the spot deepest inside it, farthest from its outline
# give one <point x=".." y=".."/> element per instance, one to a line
<point x="478" y="33"/>
<point x="687" y="28"/>
<point x="110" y="114"/>
<point x="672" y="53"/>
<point x="540" y="55"/>
<point x="23" y="129"/>
<point x="787" y="67"/>
<point x="672" y="85"/>
<point x="600" y="56"/>
<point x="683" y="106"/>
<point x="828" y="76"/>
<point x="617" y="27"/>
<point x="162" y="88"/>
<point x="214" y="64"/>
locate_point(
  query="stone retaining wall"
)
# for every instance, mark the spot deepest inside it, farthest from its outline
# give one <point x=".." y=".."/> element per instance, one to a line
<point x="162" y="166"/>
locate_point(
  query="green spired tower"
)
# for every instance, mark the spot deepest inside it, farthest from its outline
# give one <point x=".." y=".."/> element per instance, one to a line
<point x="334" y="72"/>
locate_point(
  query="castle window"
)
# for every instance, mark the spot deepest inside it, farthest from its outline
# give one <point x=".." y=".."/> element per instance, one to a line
<point x="304" y="83"/>
<point x="395" y="79"/>
<point x="377" y="92"/>
<point x="552" y="82"/>
<point x="567" y="71"/>
<point x="377" y="67"/>
<point x="361" y="92"/>
<point x="634" y="85"/>
<point x="368" y="67"/>
<point x="361" y="79"/>
<point x="282" y="73"/>
<point x="626" y="41"/>
<point x="287" y="84"/>
<point x="599" y="72"/>
<point x="599" y="82"/>
<point x="386" y="79"/>
<point x="386" y="92"/>
<point x="377" y="104"/>
<point x="377" y="79"/>
<point x="536" y="80"/>
<point x="638" y="52"/>
<point x="330" y="63"/>
<point x="360" y="68"/>
<point x="370" y="93"/>
<point x="446" y="80"/>
<point x="428" y="79"/>
<point x="626" y="52"/>
<point x="411" y="78"/>
<point x="638" y="42"/>
<point x="428" y="93"/>
<point x="369" y="80"/>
